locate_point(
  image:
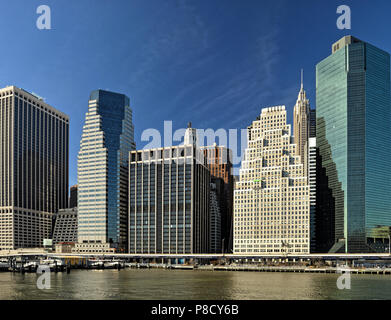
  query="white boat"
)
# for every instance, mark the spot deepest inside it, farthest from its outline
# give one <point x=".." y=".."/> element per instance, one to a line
<point x="52" y="263"/>
<point x="31" y="264"/>
<point x="112" y="264"/>
<point x="96" y="264"/>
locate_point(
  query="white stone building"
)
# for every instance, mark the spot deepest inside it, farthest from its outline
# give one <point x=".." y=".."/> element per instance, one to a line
<point x="271" y="199"/>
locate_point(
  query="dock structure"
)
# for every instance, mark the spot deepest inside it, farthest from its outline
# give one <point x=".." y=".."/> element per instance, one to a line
<point x="367" y="263"/>
<point x="314" y="263"/>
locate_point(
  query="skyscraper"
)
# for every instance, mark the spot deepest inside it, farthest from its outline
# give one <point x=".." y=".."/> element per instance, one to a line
<point x="301" y="122"/>
<point x="354" y="139"/>
<point x="108" y="136"/>
<point x="34" y="143"/>
<point x="169" y="200"/>
<point x="271" y="200"/>
<point x="218" y="159"/>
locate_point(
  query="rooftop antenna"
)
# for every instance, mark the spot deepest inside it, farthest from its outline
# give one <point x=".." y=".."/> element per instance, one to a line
<point x="302" y="76"/>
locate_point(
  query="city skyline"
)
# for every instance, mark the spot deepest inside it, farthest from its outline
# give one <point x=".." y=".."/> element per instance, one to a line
<point x="195" y="156"/>
<point x="109" y="128"/>
<point x="251" y="58"/>
<point x="104" y="221"/>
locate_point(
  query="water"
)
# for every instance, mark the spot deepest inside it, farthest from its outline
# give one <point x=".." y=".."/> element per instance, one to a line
<point x="183" y="284"/>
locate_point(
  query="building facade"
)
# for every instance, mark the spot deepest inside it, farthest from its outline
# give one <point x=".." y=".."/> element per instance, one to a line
<point x="312" y="174"/>
<point x="218" y="159"/>
<point x="312" y="130"/>
<point x="34" y="143"/>
<point x="169" y="201"/>
<point x="108" y="136"/>
<point x="65" y="226"/>
<point x="353" y="135"/>
<point x="215" y="212"/>
<point x="73" y="197"/>
<point x="271" y="200"/>
<point x="301" y="123"/>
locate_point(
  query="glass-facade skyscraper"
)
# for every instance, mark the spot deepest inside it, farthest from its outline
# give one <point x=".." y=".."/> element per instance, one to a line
<point x="107" y="139"/>
<point x="354" y="138"/>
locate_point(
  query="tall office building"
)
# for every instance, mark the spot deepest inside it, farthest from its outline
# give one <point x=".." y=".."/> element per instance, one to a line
<point x="73" y="197"/>
<point x="301" y="123"/>
<point x="34" y="142"/>
<point x="218" y="159"/>
<point x="169" y="200"/>
<point x="271" y="200"/>
<point x="354" y="139"/>
<point x="103" y="173"/>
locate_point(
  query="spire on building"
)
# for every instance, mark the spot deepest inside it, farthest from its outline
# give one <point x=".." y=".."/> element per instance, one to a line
<point x="302" y="96"/>
<point x="301" y="114"/>
<point x="190" y="135"/>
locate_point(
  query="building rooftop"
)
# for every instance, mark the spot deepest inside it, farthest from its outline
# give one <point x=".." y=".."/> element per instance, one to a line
<point x="38" y="100"/>
<point x="343" y="42"/>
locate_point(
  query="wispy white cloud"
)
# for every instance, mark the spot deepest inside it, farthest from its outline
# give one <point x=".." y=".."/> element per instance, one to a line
<point x="239" y="93"/>
<point x="176" y="39"/>
<point x="215" y="92"/>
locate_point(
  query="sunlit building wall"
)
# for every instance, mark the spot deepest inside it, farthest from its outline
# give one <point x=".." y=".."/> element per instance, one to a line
<point x="271" y="199"/>
<point x="34" y="144"/>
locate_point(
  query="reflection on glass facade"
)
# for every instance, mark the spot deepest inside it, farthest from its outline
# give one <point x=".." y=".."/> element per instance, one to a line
<point x="108" y="136"/>
<point x="34" y="146"/>
<point x="219" y="162"/>
<point x="353" y="134"/>
<point x="168" y="201"/>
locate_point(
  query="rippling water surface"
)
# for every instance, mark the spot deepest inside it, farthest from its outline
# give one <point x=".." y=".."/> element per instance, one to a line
<point x="176" y="284"/>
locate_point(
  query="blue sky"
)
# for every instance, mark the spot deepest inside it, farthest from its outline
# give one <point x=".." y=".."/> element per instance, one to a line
<point x="216" y="63"/>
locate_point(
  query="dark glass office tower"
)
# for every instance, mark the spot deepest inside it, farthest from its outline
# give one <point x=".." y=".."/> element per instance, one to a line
<point x="354" y="138"/>
<point x="34" y="143"/>
<point x="108" y="136"/>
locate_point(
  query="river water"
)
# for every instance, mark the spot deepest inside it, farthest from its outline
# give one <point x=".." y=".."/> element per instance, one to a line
<point x="184" y="284"/>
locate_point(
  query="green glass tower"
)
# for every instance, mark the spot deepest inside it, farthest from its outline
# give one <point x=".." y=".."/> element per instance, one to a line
<point x="353" y="126"/>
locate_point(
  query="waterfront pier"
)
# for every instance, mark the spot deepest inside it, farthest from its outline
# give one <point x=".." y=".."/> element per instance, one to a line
<point x="25" y="260"/>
